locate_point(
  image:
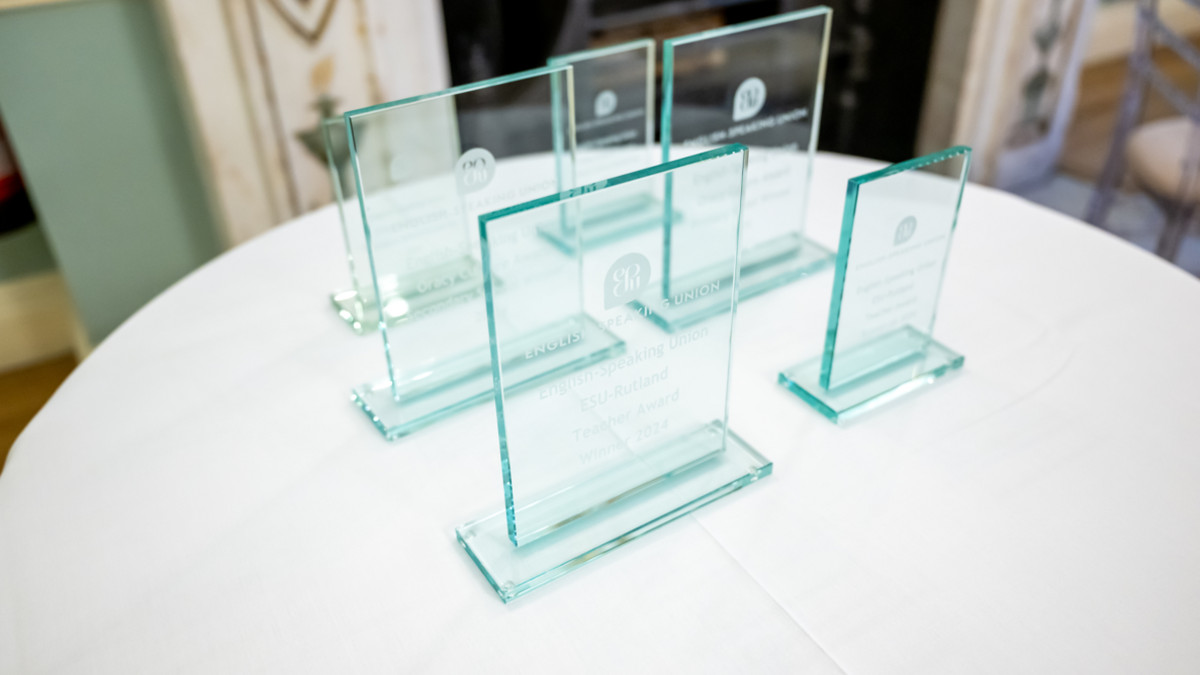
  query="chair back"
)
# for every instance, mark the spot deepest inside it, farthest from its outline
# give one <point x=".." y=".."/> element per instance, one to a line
<point x="1151" y="32"/>
<point x="1144" y="74"/>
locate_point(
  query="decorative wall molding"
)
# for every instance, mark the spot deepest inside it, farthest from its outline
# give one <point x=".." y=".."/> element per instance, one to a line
<point x="1043" y="83"/>
<point x="992" y="88"/>
<point x="307" y="18"/>
<point x="255" y="72"/>
<point x="210" y="78"/>
<point x="1016" y="88"/>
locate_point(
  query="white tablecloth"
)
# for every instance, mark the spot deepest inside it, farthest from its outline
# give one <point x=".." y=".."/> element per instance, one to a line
<point x="201" y="497"/>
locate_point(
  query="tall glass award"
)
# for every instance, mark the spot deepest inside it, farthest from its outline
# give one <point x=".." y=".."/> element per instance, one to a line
<point x="597" y="457"/>
<point x="758" y="83"/>
<point x="427" y="168"/>
<point x="614" y="132"/>
<point x="895" y="241"/>
<point x="356" y="303"/>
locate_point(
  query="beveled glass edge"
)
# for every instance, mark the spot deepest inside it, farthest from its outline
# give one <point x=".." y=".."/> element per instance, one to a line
<point x="574" y="57"/>
<point x="765" y="467"/>
<point x="327" y="126"/>
<point x="963" y="174"/>
<point x="748" y="25"/>
<point x="844" y="239"/>
<point x="327" y="129"/>
<point x="734" y="291"/>
<point x="818" y="107"/>
<point x="561" y="197"/>
<point x="666" y="167"/>
<point x="837" y="416"/>
<point x="460" y="89"/>
<point x="915" y="163"/>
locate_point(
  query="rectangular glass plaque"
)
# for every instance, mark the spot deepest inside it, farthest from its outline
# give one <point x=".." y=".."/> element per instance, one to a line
<point x="896" y="233"/>
<point x="427" y="168"/>
<point x="758" y="83"/>
<point x="599" y="456"/>
<point x="356" y="303"/>
<point x="614" y="135"/>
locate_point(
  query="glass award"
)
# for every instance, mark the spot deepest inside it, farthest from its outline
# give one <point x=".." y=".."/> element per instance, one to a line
<point x="356" y="303"/>
<point x="427" y="168"/>
<point x="760" y="84"/>
<point x="896" y="232"/>
<point x="598" y="456"/>
<point x="614" y="135"/>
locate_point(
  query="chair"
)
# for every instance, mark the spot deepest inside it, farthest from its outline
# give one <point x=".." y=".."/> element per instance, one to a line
<point x="1163" y="157"/>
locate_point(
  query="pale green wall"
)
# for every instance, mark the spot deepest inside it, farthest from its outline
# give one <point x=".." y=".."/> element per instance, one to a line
<point x="87" y="96"/>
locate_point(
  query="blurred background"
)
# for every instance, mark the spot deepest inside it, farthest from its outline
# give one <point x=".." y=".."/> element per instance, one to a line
<point x="141" y="138"/>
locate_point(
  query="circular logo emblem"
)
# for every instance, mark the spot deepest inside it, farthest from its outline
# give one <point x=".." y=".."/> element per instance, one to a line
<point x="749" y="99"/>
<point x="625" y="278"/>
<point x="606" y="103"/>
<point x="905" y="230"/>
<point x="474" y="170"/>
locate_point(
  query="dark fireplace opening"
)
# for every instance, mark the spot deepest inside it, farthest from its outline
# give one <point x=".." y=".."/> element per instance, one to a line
<point x="879" y="51"/>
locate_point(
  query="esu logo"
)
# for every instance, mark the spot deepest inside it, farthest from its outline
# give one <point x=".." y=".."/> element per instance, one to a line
<point x="625" y="279"/>
<point x="605" y="104"/>
<point x="579" y="191"/>
<point x="905" y="231"/>
<point x="474" y="170"/>
<point x="749" y="98"/>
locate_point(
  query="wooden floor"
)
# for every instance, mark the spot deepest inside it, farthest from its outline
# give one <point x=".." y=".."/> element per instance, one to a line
<point x="1100" y="89"/>
<point x="23" y="392"/>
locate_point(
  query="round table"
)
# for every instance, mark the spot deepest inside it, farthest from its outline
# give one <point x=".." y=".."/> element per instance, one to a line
<point x="201" y="496"/>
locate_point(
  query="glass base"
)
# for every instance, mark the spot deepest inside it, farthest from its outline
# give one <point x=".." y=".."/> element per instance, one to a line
<point x="899" y="373"/>
<point x="620" y="219"/>
<point x="458" y="383"/>
<point x="361" y="315"/>
<point x="413" y="297"/>
<point x="514" y="571"/>
<point x="701" y="295"/>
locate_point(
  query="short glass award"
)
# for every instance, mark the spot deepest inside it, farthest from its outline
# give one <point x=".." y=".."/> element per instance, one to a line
<point x="595" y="458"/>
<point x="895" y="240"/>
<point x="427" y="168"/>
<point x="356" y="303"/>
<point x="760" y="84"/>
<point x="614" y="135"/>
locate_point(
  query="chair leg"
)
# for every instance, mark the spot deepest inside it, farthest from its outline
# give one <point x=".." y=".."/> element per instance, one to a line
<point x="1179" y="220"/>
<point x="1114" y="167"/>
<point x="1182" y="208"/>
<point x="1131" y="109"/>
